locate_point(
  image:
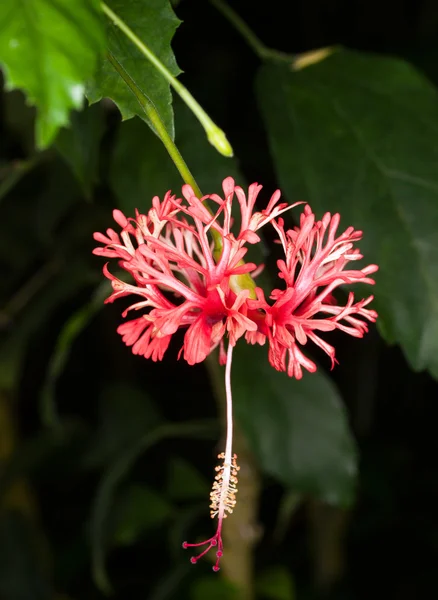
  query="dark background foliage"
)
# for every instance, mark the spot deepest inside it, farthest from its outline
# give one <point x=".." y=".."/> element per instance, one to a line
<point x="77" y="408"/>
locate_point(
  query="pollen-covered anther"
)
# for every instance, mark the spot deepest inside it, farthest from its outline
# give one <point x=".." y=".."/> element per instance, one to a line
<point x="224" y="490"/>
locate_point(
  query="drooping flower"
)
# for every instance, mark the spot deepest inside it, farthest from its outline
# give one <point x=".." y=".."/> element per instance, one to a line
<point x="187" y="269"/>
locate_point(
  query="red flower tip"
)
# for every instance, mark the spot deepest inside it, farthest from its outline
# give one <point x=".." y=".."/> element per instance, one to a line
<point x="120" y="218"/>
<point x="216" y="540"/>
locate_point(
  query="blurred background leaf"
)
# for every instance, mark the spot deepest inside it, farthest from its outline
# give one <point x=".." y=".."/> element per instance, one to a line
<point x="280" y="430"/>
<point x="71" y="330"/>
<point x="126" y="415"/>
<point x="119" y="469"/>
<point x="62" y="286"/>
<point x="342" y="134"/>
<point x="184" y="482"/>
<point x="79" y="145"/>
<point x="210" y="587"/>
<point x="275" y="583"/>
<point x="23" y="574"/>
<point x="138" y="510"/>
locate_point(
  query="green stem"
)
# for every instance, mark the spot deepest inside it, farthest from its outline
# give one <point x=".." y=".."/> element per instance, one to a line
<point x="237" y="282"/>
<point x="160" y="129"/>
<point x="249" y="36"/>
<point x="215" y="135"/>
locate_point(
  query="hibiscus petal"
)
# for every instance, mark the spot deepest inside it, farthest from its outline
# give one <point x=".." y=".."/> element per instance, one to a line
<point x="197" y="341"/>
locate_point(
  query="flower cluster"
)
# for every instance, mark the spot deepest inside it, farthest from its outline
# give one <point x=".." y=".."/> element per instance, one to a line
<point x="187" y="270"/>
<point x="186" y="267"/>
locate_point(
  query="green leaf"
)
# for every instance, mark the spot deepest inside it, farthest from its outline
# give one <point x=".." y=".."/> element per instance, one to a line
<point x="49" y="49"/>
<point x="139" y="510"/>
<point x="288" y="506"/>
<point x="154" y="22"/>
<point x="73" y="327"/>
<point x="56" y="288"/>
<point x="42" y="451"/>
<point x="54" y="202"/>
<point x="298" y="429"/>
<point x="172" y="583"/>
<point x="213" y="588"/>
<point x="356" y="134"/>
<point x="142" y="169"/>
<point x="119" y="469"/>
<point x="79" y="145"/>
<point x="276" y="583"/>
<point x="184" y="482"/>
<point x="127" y="414"/>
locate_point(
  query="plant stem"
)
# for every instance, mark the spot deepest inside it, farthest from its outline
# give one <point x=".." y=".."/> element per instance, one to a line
<point x="229" y="404"/>
<point x="240" y="530"/>
<point x="160" y="129"/>
<point x="238" y="282"/>
<point x="262" y="51"/>
<point x="215" y="135"/>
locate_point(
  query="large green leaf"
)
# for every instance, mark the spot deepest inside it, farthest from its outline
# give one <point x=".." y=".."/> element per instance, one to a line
<point x="184" y="481"/>
<point x="154" y="22"/>
<point x="126" y="414"/>
<point x="357" y="134"/>
<point x="139" y="510"/>
<point x="49" y="49"/>
<point x="297" y="429"/>
<point x="116" y="471"/>
<point x="142" y="168"/>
